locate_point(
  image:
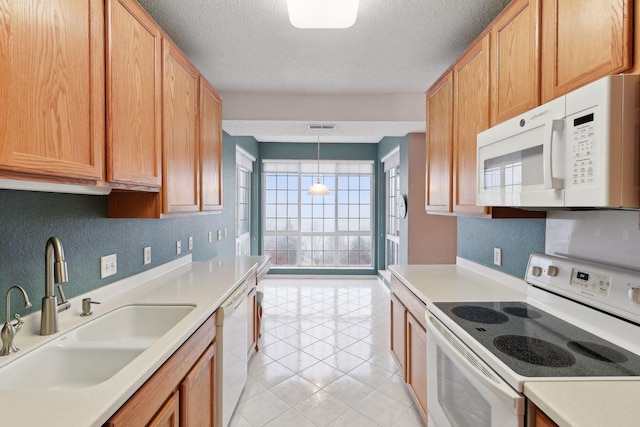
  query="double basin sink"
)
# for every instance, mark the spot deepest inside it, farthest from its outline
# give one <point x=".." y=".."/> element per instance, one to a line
<point x="93" y="352"/>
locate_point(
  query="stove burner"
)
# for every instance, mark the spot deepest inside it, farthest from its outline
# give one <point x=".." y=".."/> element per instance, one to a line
<point x="534" y="350"/>
<point x="522" y="312"/>
<point x="597" y="351"/>
<point x="478" y="314"/>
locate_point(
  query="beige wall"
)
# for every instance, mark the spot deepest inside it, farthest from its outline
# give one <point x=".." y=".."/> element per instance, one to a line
<point x="431" y="238"/>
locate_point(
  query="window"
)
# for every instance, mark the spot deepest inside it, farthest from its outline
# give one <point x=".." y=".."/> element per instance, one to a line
<point x="392" y="188"/>
<point x="244" y="170"/>
<point x="334" y="231"/>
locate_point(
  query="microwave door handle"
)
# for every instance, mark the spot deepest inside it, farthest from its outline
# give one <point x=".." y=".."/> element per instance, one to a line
<point x="551" y="182"/>
<point x="474" y="365"/>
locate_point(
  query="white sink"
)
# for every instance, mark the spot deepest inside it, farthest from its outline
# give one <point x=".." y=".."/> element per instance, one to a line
<point x="60" y="367"/>
<point x="135" y="324"/>
<point x="93" y="352"/>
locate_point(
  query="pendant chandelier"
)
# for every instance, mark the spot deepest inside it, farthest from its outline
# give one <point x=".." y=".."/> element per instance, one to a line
<point x="318" y="189"/>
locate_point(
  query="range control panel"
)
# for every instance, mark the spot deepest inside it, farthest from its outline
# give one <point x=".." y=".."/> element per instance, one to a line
<point x="594" y="282"/>
<point x="611" y="289"/>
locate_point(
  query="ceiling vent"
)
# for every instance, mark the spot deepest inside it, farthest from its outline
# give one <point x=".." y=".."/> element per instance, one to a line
<point x="321" y="127"/>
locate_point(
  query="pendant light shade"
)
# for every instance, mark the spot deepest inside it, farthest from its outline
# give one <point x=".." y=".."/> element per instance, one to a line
<point x="318" y="189"/>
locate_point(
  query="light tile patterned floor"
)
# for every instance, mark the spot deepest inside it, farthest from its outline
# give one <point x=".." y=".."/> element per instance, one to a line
<point x="324" y="359"/>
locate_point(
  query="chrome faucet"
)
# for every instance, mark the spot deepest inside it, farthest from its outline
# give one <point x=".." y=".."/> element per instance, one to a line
<point x="10" y="330"/>
<point x="55" y="271"/>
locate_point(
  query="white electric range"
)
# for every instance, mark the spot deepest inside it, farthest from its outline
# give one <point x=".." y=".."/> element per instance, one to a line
<point x="580" y="321"/>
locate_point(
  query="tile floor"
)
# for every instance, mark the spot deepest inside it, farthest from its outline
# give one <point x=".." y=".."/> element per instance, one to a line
<point x="324" y="359"/>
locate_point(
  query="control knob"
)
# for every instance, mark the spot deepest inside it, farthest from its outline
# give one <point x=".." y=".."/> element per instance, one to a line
<point x="634" y="295"/>
<point x="536" y="271"/>
<point x="552" y="271"/>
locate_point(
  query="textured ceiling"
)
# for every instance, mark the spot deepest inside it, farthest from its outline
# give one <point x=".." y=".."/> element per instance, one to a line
<point x="249" y="47"/>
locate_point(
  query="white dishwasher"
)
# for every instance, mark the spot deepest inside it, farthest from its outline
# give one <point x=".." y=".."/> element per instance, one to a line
<point x="231" y="364"/>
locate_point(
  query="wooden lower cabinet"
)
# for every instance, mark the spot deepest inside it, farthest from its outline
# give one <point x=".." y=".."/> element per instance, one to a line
<point x="181" y="392"/>
<point x="252" y="320"/>
<point x="398" y="336"/>
<point x="197" y="392"/>
<point x="409" y="341"/>
<point x="540" y="419"/>
<point x="416" y="370"/>
<point x="169" y="414"/>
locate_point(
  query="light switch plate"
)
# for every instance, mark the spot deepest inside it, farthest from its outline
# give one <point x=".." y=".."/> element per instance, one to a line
<point x="178" y="247"/>
<point x="497" y="256"/>
<point x="147" y="255"/>
<point x="190" y="243"/>
<point x="108" y="265"/>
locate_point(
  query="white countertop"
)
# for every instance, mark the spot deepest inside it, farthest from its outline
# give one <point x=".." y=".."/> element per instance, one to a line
<point x="568" y="403"/>
<point x="203" y="284"/>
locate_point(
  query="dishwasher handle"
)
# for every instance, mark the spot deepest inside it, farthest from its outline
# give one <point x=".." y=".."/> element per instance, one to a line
<point x="230" y="305"/>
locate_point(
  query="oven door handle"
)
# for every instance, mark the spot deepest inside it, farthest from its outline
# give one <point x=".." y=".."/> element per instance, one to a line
<point x="473" y="364"/>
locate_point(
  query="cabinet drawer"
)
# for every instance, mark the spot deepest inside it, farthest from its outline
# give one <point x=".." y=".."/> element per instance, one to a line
<point x="414" y="305"/>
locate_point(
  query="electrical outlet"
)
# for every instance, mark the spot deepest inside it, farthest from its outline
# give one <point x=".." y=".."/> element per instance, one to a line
<point x="146" y="255"/>
<point x="497" y="256"/>
<point x="210" y="236"/>
<point x="108" y="265"/>
<point x="225" y="232"/>
<point x="178" y="247"/>
<point x="219" y="234"/>
<point x="190" y="243"/>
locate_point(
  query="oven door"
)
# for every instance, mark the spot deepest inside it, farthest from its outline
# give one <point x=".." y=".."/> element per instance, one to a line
<point x="462" y="391"/>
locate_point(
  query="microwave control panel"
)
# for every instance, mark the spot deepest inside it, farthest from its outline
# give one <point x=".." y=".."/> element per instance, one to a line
<point x="582" y="139"/>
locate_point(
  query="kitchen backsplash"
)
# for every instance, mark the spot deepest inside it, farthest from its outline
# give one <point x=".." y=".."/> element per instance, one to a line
<point x="610" y="237"/>
<point x="517" y="238"/>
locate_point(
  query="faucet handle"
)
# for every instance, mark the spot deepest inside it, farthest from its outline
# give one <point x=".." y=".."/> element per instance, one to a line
<point x="86" y="306"/>
<point x="64" y="299"/>
<point x="19" y="322"/>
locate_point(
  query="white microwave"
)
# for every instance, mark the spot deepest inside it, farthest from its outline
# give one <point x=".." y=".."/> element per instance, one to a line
<point x="580" y="150"/>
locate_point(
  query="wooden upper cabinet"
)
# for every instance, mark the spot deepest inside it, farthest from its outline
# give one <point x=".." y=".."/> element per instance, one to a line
<point x="471" y="116"/>
<point x="583" y="40"/>
<point x="210" y="147"/>
<point x="515" y="60"/>
<point x="181" y="148"/>
<point x="134" y="84"/>
<point x="52" y="89"/>
<point x="439" y="145"/>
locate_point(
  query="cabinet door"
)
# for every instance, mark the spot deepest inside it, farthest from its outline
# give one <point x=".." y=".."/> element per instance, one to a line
<point x="252" y="317"/>
<point x="543" y="420"/>
<point x="134" y="128"/>
<point x="439" y="143"/>
<point x="416" y="370"/>
<point x="583" y="40"/>
<point x="197" y="392"/>
<point x="52" y="88"/>
<point x="169" y="415"/>
<point x="181" y="163"/>
<point x="471" y="115"/>
<point x="210" y="147"/>
<point x="398" y="333"/>
<point x="515" y="60"/>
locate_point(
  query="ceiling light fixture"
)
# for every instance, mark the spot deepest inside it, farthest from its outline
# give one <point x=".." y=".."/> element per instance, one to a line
<point x="322" y="13"/>
<point x="318" y="189"/>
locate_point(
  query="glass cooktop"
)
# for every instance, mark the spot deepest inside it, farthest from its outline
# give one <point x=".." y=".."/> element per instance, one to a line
<point x="534" y="343"/>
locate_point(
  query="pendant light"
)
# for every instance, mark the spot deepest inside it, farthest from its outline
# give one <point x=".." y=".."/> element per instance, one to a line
<point x="318" y="189"/>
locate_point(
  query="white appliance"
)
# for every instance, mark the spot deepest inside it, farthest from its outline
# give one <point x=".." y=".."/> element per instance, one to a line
<point x="578" y="322"/>
<point x="231" y="363"/>
<point x="579" y="150"/>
